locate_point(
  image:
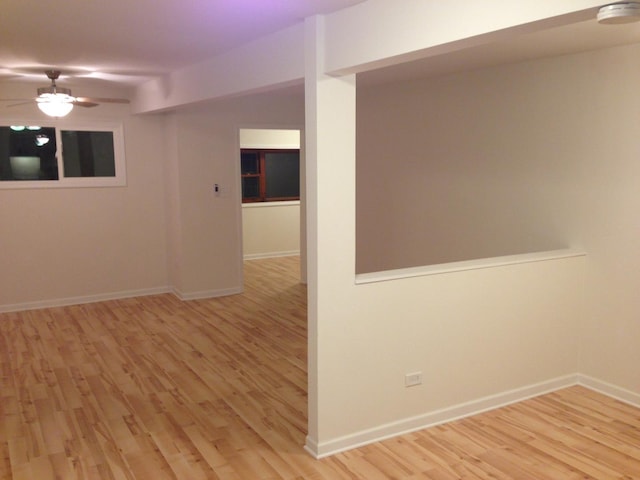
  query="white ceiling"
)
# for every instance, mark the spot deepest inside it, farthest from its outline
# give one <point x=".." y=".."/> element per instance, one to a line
<point x="129" y="41"/>
<point x="126" y="42"/>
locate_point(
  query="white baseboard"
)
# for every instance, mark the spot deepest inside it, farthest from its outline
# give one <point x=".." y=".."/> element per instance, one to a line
<point x="258" y="256"/>
<point x="610" y="390"/>
<point x="63" y="302"/>
<point x="206" y="293"/>
<point x="438" y="417"/>
<point x="312" y="448"/>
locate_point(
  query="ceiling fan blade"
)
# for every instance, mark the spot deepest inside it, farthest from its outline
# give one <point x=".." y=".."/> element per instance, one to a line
<point x="84" y="104"/>
<point x="24" y="102"/>
<point x="101" y="100"/>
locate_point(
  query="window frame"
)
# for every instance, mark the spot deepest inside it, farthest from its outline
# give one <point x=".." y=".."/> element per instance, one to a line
<point x="261" y="175"/>
<point x="116" y="128"/>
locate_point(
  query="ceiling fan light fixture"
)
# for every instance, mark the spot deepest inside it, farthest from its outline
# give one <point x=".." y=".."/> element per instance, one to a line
<point x="57" y="101"/>
<point x="55" y="104"/>
<point x="619" y="13"/>
<point x="42" y="140"/>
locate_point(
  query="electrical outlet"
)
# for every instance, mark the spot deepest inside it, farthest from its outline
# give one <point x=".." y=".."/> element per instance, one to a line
<point x="413" y="379"/>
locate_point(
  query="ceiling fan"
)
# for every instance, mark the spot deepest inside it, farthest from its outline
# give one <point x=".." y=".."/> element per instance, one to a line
<point x="57" y="101"/>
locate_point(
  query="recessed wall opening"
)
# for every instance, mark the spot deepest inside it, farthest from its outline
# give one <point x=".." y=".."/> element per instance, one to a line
<point x="459" y="168"/>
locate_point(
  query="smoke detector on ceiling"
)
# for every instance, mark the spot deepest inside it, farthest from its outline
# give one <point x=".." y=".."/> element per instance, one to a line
<point x="619" y="13"/>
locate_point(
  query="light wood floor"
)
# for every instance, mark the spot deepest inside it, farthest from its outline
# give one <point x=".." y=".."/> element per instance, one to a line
<point x="154" y="388"/>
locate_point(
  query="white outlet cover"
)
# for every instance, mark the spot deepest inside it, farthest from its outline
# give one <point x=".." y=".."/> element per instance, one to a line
<point x="412" y="379"/>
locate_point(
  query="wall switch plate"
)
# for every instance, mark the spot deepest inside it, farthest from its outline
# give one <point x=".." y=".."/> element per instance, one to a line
<point x="413" y="379"/>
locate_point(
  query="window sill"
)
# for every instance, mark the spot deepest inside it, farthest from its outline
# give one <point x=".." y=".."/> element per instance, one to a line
<point x="84" y="182"/>
<point x="388" y="275"/>
<point x="271" y="204"/>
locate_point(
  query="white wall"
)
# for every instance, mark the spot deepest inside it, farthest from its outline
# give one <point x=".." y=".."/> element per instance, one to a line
<point x="472" y="334"/>
<point x="269" y="138"/>
<point x="604" y="184"/>
<point x="257" y="66"/>
<point x="543" y="151"/>
<point x="64" y="245"/>
<point x="209" y="253"/>
<point x="552" y="146"/>
<point x="533" y="155"/>
<point x="160" y="232"/>
<point x="206" y="253"/>
<point x="172" y="204"/>
<point x="376" y="33"/>
<point x="272" y="228"/>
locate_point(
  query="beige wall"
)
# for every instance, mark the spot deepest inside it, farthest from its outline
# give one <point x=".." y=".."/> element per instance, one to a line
<point x="270" y="229"/>
<point x="469" y="166"/>
<point x="63" y="245"/>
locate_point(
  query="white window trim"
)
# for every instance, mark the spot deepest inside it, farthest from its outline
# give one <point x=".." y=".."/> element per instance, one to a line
<point x="281" y="203"/>
<point x="120" y="178"/>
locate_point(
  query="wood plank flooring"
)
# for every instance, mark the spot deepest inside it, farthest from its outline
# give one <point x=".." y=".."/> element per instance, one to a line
<point x="155" y="388"/>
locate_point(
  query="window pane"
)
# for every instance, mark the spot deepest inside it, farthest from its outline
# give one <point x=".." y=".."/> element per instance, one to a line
<point x="249" y="163"/>
<point x="282" y="171"/>
<point x="28" y="153"/>
<point x="250" y="187"/>
<point x="88" y="154"/>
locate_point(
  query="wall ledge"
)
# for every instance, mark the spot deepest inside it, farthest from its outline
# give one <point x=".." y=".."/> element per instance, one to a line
<point x="493" y="262"/>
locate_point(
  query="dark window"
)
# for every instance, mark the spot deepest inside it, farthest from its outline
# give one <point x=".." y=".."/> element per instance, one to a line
<point x="28" y="153"/>
<point x="270" y="175"/>
<point x="33" y="156"/>
<point x="88" y="154"/>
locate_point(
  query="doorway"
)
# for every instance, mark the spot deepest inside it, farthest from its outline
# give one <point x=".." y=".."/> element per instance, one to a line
<point x="274" y="228"/>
